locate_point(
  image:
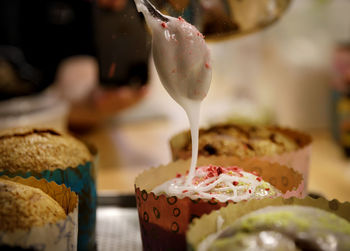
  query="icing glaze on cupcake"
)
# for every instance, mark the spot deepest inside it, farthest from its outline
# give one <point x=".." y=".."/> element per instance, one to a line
<point x="219" y="183"/>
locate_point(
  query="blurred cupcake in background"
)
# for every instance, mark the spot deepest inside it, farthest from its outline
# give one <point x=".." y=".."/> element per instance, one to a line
<point x="274" y="144"/>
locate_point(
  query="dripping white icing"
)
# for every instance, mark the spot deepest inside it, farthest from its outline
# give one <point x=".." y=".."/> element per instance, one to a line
<point x="182" y="60"/>
<point x="220" y="183"/>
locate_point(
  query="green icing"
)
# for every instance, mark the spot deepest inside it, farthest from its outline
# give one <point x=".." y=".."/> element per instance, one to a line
<point x="313" y="222"/>
<point x="271" y="219"/>
<point x="245" y="242"/>
<point x="334" y="223"/>
<point x="233" y="243"/>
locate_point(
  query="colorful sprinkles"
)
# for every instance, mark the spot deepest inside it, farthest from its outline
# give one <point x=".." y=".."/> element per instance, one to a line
<point x="219" y="183"/>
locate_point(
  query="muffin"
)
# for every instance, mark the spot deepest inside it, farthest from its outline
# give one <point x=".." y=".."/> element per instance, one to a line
<point x="36" y="150"/>
<point x="274" y="224"/>
<point x="274" y="144"/>
<point x="289" y="228"/>
<point x="23" y="207"/>
<point x="239" y="141"/>
<point x="36" y="215"/>
<point x="55" y="156"/>
<point x="165" y="215"/>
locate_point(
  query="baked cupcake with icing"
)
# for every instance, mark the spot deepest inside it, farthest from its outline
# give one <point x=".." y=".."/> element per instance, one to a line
<point x="168" y="200"/>
<point x="289" y="228"/>
<point x="36" y="214"/>
<point x="55" y="156"/>
<point x="275" y="224"/>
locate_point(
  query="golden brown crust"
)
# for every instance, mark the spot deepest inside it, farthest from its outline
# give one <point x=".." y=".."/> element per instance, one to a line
<point x="29" y="149"/>
<point x="23" y="207"/>
<point x="240" y="141"/>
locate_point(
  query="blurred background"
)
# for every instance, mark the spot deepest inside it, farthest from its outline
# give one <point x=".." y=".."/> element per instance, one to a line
<point x="85" y="67"/>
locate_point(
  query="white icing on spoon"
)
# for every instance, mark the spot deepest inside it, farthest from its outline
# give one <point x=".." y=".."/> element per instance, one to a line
<point x="182" y="60"/>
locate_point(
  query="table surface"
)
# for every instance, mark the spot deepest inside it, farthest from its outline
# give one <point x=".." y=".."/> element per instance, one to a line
<point x="125" y="150"/>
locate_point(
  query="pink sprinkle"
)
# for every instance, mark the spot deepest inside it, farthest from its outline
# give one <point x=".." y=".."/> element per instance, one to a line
<point x="200" y="35"/>
<point x="220" y="171"/>
<point x="164" y="25"/>
<point x="184" y="191"/>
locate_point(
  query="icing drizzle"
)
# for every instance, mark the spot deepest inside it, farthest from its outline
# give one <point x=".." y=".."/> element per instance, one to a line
<point x="220" y="183"/>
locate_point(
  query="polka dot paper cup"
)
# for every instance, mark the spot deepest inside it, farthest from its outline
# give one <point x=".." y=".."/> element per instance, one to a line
<point x="299" y="159"/>
<point x="199" y="229"/>
<point x="164" y="219"/>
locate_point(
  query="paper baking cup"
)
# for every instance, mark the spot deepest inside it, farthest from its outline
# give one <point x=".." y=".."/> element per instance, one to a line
<point x="164" y="220"/>
<point x="80" y="179"/>
<point x="207" y="224"/>
<point x="299" y="160"/>
<point x="58" y="236"/>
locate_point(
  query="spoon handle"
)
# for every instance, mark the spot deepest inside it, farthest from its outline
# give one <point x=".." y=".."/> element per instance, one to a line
<point x="153" y="11"/>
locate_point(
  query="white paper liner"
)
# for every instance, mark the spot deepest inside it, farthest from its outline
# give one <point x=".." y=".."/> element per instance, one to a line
<point x="59" y="236"/>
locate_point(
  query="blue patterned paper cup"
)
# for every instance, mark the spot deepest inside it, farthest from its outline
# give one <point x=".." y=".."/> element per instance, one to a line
<point x="81" y="177"/>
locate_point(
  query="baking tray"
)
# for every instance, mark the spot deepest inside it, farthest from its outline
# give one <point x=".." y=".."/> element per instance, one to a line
<point x="117" y="225"/>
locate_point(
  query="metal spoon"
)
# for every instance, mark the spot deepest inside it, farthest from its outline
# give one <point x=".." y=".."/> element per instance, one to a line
<point x="153" y="11"/>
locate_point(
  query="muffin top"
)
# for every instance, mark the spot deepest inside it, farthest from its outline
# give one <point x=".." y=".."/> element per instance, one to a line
<point x="23" y="207"/>
<point x="243" y="141"/>
<point x="29" y="149"/>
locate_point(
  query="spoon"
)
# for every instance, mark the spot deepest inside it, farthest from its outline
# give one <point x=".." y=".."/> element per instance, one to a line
<point x="153" y="11"/>
<point x="182" y="60"/>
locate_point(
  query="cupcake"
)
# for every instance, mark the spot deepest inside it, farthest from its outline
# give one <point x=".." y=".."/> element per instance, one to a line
<point x="55" y="156"/>
<point x="275" y="224"/>
<point x="165" y="213"/>
<point x="37" y="215"/>
<point x="274" y="144"/>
